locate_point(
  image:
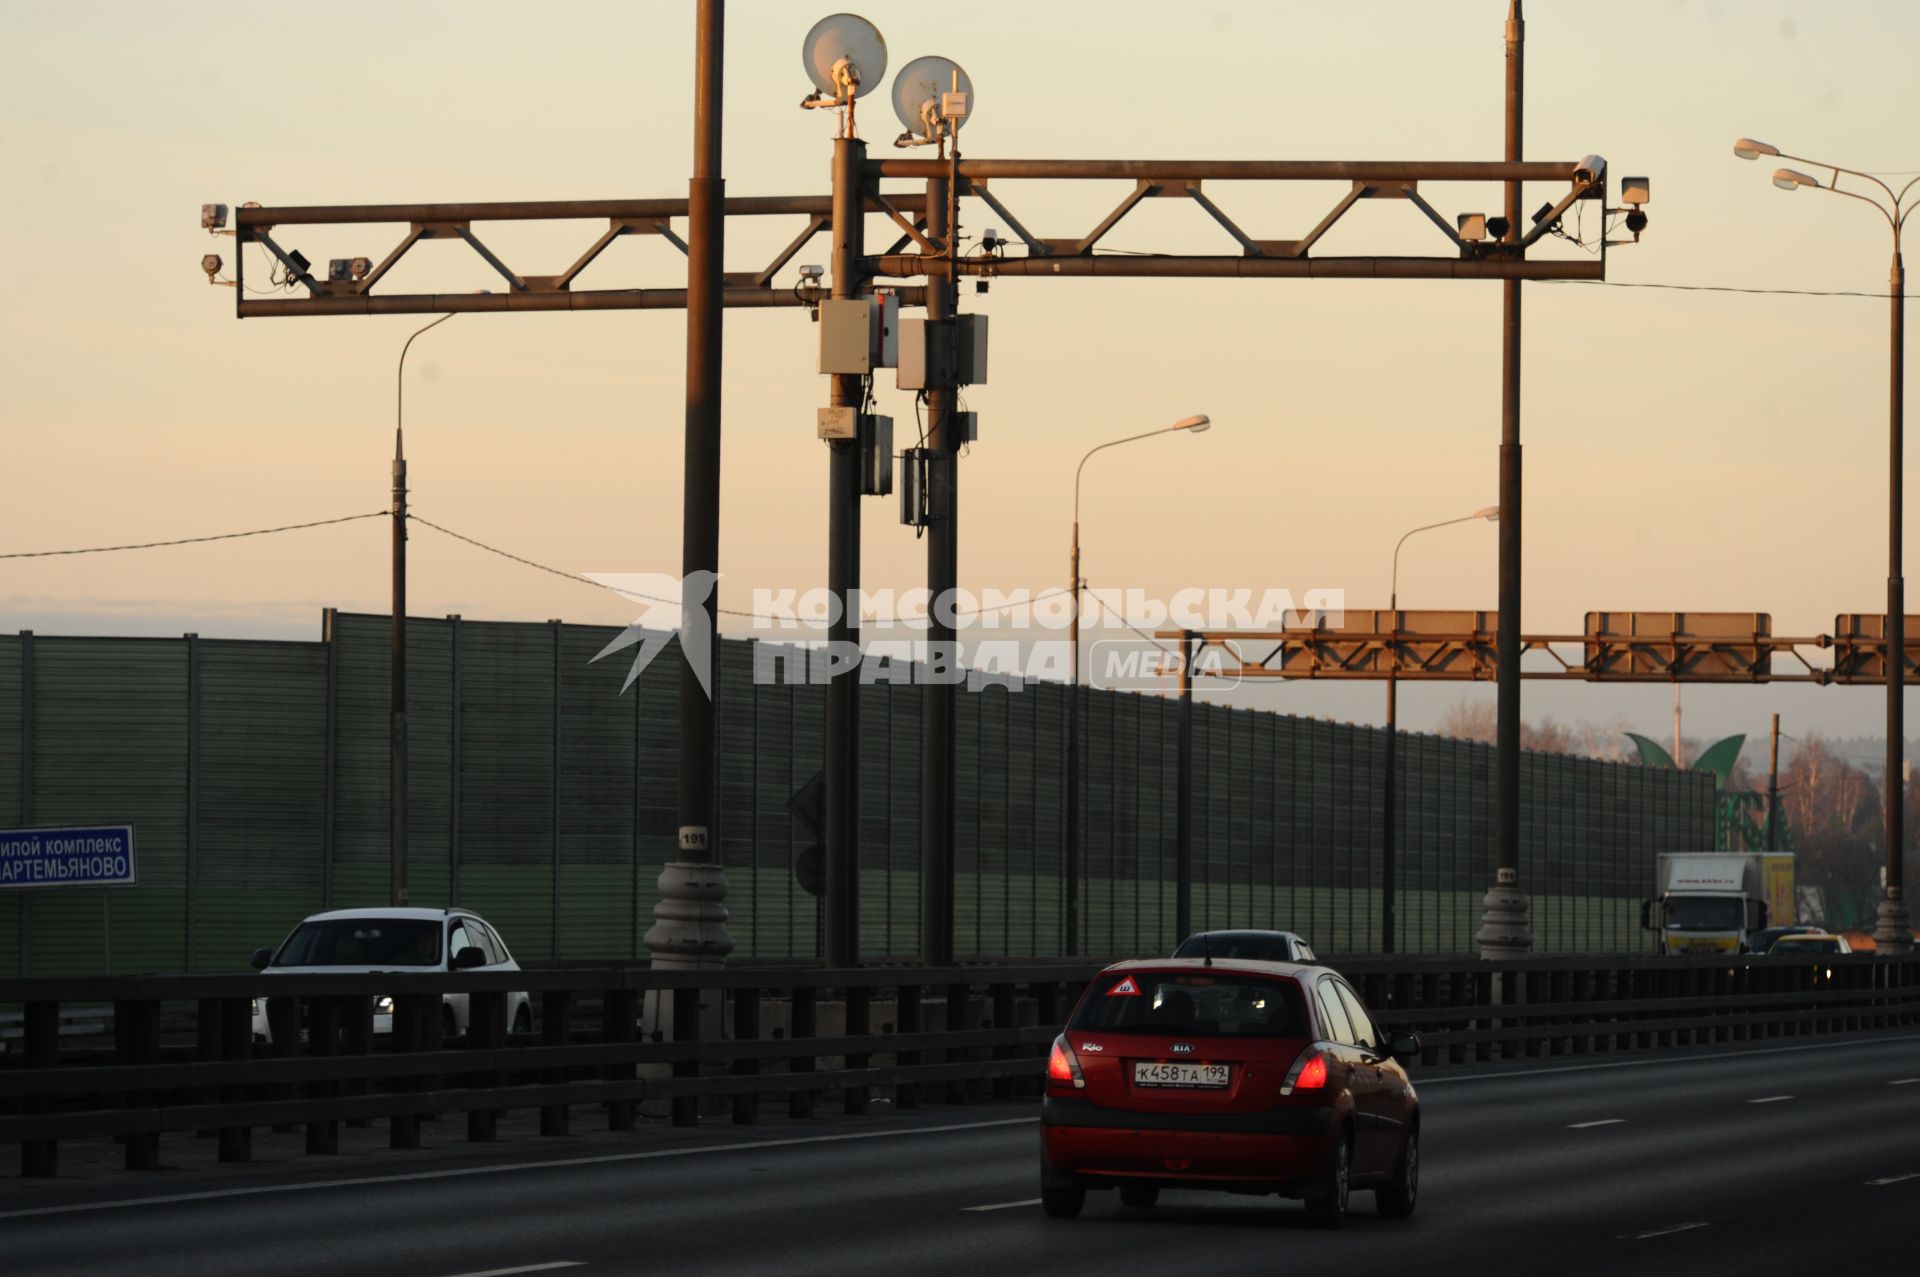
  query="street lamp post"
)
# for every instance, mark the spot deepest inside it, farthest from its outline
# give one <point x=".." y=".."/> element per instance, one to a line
<point x="397" y="738"/>
<point x="1389" y="788"/>
<point x="1070" y="870"/>
<point x="1893" y="932"/>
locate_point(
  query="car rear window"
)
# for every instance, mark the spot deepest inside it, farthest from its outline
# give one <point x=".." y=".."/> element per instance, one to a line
<point x="1794" y="944"/>
<point x="1193" y="1005"/>
<point x="362" y="942"/>
<point x="1253" y="947"/>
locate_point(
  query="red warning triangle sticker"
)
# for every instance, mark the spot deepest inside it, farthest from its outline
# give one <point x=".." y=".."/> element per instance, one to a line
<point x="1125" y="989"/>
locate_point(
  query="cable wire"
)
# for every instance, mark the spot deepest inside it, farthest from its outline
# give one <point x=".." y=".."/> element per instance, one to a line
<point x="1727" y="288"/>
<point x="223" y="536"/>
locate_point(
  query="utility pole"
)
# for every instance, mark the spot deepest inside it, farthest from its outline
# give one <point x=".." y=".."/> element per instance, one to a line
<point x="397" y="717"/>
<point x="943" y="571"/>
<point x="1506" y="927"/>
<point x="1773" y="788"/>
<point x="690" y="922"/>
<point x="1183" y="799"/>
<point x="842" y="911"/>
<point x="1893" y="929"/>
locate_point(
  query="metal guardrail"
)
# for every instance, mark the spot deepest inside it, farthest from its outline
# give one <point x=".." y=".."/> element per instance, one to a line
<point x="324" y="1066"/>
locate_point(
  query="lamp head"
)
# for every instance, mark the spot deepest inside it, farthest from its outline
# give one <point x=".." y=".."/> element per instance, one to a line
<point x="1786" y="179"/>
<point x="1195" y="424"/>
<point x="1491" y="514"/>
<point x="1748" y="149"/>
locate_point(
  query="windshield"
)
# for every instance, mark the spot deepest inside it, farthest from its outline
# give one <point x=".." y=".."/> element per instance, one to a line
<point x="1185" y="1005"/>
<point x="1794" y="944"/>
<point x="1706" y="913"/>
<point x="363" y="942"/>
<point x="1251" y="945"/>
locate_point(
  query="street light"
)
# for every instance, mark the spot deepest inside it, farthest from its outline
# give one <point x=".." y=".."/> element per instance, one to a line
<point x="1893" y="931"/>
<point x="1196" y="424"/>
<point x="1388" y="788"/>
<point x="397" y="740"/>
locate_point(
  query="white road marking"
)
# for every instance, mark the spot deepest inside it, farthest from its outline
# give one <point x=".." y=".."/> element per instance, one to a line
<point x="524" y="1268"/>
<point x="1031" y="1201"/>
<point x="1904" y="1081"/>
<point x="1663" y="1232"/>
<point x="504" y="1168"/>
<point x="1508" y="1074"/>
<point x="1893" y="1179"/>
<point x="1770" y="1099"/>
<point x="1605" y="1121"/>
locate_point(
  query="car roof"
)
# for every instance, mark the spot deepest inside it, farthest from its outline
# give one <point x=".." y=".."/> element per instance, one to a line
<point x="1241" y="931"/>
<point x="434" y="915"/>
<point x="1811" y="935"/>
<point x="1249" y="966"/>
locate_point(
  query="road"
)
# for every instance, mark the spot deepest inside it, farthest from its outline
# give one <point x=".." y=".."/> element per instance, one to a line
<point x="1714" y="1162"/>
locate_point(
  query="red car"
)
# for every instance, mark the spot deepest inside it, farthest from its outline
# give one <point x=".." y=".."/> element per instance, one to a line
<point x="1249" y="1077"/>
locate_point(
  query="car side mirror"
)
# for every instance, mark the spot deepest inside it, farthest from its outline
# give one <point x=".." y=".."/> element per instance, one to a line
<point x="1404" y="1047"/>
<point x="469" y="958"/>
<point x="260" y="959"/>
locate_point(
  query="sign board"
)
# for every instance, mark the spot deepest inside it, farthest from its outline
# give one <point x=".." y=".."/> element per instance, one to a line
<point x="1699" y="647"/>
<point x="1859" y="648"/>
<point x="91" y="856"/>
<point x="1370" y="642"/>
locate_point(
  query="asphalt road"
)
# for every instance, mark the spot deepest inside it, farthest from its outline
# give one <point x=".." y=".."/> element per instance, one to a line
<point x="1760" y="1161"/>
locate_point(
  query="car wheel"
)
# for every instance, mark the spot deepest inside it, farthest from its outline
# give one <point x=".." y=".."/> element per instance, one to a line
<point x="522" y="1022"/>
<point x="448" y="1029"/>
<point x="1062" y="1203"/>
<point x="1329" y="1209"/>
<point x="1142" y="1195"/>
<point x="1395" y="1199"/>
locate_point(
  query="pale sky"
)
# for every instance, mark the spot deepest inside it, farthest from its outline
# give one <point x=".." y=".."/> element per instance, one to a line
<point x="1684" y="450"/>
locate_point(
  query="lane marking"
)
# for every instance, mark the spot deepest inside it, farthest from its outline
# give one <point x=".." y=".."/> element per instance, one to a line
<point x="1893" y="1179"/>
<point x="1770" y="1099"/>
<point x="1507" y="1074"/>
<point x="259" y="1190"/>
<point x="1665" y="1232"/>
<point x="1031" y="1201"/>
<point x="1904" y="1081"/>
<point x="525" y="1268"/>
<point x="1605" y="1121"/>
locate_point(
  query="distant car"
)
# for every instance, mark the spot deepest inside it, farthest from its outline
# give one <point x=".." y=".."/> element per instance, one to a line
<point x="1763" y="941"/>
<point x="1244" y="1076"/>
<point x="1818" y="942"/>
<point x="360" y="941"/>
<point x="1260" y="946"/>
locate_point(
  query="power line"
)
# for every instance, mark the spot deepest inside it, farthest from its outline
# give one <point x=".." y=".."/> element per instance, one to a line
<point x="223" y="536"/>
<point x="1726" y="288"/>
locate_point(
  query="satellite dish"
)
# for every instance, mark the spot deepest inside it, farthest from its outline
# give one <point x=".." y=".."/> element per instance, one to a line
<point x="923" y="98"/>
<point x="845" y="57"/>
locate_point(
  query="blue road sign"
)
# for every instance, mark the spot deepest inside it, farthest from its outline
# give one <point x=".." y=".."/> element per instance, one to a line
<point x="95" y="856"/>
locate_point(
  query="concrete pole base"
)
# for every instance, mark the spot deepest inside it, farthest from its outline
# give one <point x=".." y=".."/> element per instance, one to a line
<point x="690" y="922"/>
<point x="1893" y="929"/>
<point x="1506" y="924"/>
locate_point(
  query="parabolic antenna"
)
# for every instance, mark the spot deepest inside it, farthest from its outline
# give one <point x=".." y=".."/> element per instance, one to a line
<point x="840" y="48"/>
<point x="918" y="92"/>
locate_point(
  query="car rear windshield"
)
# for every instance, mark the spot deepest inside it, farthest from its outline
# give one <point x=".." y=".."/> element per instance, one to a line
<point x="1254" y="948"/>
<point x="1794" y="944"/>
<point x="363" y="942"/>
<point x="1192" y="1004"/>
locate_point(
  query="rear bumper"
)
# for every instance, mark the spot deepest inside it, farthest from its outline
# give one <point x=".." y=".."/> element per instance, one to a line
<point x="1280" y="1150"/>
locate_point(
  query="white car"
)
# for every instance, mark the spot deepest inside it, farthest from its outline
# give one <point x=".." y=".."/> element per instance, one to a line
<point x="371" y="941"/>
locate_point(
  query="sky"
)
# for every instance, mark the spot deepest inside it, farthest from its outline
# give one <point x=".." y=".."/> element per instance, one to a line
<point x="1698" y="451"/>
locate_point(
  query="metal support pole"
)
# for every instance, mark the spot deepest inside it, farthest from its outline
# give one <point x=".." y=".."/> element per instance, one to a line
<point x="1070" y="853"/>
<point x="1183" y="800"/>
<point x="1506" y="928"/>
<point x="943" y="565"/>
<point x="689" y="927"/>
<point x="1773" y="788"/>
<point x="397" y="740"/>
<point x="1893" y="929"/>
<point x="1389" y="787"/>
<point x="842" y="939"/>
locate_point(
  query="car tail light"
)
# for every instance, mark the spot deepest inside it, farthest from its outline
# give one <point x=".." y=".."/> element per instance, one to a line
<point x="1062" y="1065"/>
<point x="1309" y="1072"/>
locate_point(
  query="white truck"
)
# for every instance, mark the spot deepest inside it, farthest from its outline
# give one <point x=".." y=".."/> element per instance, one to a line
<point x="1714" y="901"/>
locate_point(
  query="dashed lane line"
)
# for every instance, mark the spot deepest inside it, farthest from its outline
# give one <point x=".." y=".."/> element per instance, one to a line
<point x="1603" y="1121"/>
<point x="1664" y="1232"/>
<point x="1031" y="1201"/>
<point x="1893" y="1179"/>
<point x="1771" y="1099"/>
<point x="524" y="1268"/>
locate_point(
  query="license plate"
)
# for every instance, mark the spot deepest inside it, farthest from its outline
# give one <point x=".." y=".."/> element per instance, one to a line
<point x="1179" y="1073"/>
